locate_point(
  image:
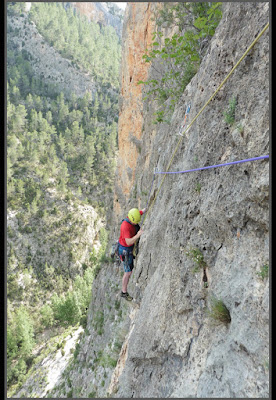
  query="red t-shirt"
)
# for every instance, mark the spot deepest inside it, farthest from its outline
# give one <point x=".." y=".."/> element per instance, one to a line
<point x="127" y="231"/>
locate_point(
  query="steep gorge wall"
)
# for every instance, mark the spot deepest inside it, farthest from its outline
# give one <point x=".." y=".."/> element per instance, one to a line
<point x="174" y="350"/>
<point x="137" y="34"/>
<point x="170" y="346"/>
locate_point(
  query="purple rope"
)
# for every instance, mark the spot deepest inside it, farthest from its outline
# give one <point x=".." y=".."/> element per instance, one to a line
<point x="214" y="166"/>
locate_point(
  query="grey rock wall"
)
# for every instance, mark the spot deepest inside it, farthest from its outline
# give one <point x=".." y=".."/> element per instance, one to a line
<point x="171" y="346"/>
<point x="175" y="350"/>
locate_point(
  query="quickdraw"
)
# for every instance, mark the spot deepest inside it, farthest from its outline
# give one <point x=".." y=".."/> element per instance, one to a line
<point x="186" y="114"/>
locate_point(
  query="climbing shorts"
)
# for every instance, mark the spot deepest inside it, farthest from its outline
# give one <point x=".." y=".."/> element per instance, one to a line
<point x="125" y="254"/>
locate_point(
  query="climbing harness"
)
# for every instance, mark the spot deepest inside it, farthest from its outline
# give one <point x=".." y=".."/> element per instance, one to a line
<point x="202" y="109"/>
<point x="115" y="246"/>
<point x="115" y="250"/>
<point x="135" y="247"/>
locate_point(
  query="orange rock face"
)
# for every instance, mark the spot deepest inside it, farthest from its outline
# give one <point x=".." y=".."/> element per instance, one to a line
<point x="89" y="10"/>
<point x="137" y="36"/>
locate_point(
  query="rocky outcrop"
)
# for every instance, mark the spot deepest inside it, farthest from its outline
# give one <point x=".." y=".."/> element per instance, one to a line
<point x="48" y="371"/>
<point x="174" y="349"/>
<point x="103" y="13"/>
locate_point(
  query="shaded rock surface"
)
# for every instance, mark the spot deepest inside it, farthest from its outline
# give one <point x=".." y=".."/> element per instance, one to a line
<point x="171" y="347"/>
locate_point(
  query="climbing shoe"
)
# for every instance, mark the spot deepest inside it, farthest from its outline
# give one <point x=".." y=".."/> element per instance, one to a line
<point x="126" y="296"/>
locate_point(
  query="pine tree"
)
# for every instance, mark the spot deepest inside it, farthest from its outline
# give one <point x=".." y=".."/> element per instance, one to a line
<point x="24" y="331"/>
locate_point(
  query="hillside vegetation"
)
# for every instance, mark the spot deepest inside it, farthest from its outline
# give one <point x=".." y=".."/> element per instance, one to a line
<point x="95" y="49"/>
<point x="60" y="174"/>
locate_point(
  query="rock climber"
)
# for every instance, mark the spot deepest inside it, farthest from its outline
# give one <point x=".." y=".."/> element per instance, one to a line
<point x="130" y="232"/>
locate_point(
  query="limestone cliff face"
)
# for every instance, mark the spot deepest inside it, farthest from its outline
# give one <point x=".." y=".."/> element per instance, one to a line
<point x="137" y="33"/>
<point x="174" y="350"/>
<point x="164" y="344"/>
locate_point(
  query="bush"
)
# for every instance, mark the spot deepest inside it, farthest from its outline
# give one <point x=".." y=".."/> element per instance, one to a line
<point x="83" y="321"/>
<point x="118" y="346"/>
<point x="218" y="311"/>
<point x="107" y="361"/>
<point x="67" y="309"/>
<point x="98" y="322"/>
<point x="182" y="53"/>
<point x="263" y="273"/>
<point x="14" y="290"/>
<point x="96" y="270"/>
<point x="198" y="187"/>
<point x="18" y="371"/>
<point x="11" y="232"/>
<point x="77" y="350"/>
<point x="72" y="307"/>
<point x="229" y="114"/>
<point x="117" y="304"/>
<point x="23" y="331"/>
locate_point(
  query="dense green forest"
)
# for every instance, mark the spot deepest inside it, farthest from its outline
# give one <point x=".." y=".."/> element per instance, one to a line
<point x="94" y="49"/>
<point x="60" y="155"/>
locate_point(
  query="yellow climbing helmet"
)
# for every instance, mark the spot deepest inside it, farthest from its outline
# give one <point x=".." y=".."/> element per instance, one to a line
<point x="134" y="216"/>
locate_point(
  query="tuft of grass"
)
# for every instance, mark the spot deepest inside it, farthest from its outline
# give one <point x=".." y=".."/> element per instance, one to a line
<point x="107" y="361"/>
<point x="263" y="273"/>
<point x="198" y="187"/>
<point x="118" y="346"/>
<point x="266" y="365"/>
<point x="218" y="311"/>
<point x="196" y="255"/>
<point x="240" y="128"/>
<point x="96" y="270"/>
<point x="117" y="304"/>
<point x="76" y="351"/>
<point x="229" y="114"/>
